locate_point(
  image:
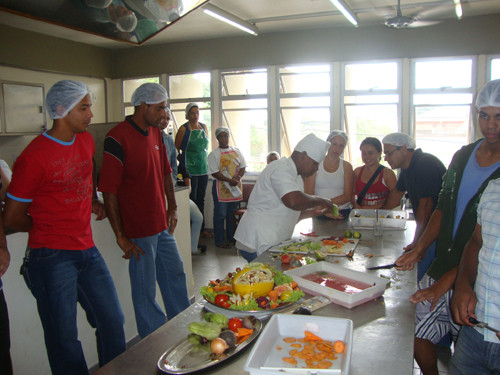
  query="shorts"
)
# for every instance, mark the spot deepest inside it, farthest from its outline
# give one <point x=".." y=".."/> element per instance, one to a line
<point x="434" y="325"/>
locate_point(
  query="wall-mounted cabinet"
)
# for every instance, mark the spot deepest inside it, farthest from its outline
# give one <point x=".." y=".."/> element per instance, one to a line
<point x="22" y="108"/>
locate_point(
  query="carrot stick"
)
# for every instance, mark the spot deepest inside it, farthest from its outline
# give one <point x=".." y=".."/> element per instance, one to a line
<point x="311" y="336"/>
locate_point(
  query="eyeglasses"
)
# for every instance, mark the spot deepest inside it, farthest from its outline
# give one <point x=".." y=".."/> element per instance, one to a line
<point x="388" y="154"/>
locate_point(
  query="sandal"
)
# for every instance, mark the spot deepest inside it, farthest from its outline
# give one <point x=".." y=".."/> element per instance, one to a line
<point x="206" y="234"/>
<point x="224" y="245"/>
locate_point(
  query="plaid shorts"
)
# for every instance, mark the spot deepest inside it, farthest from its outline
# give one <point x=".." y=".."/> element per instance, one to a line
<point x="434" y="325"/>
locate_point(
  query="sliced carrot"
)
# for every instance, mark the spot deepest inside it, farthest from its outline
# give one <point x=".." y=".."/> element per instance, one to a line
<point x="296" y="346"/>
<point x="243" y="332"/>
<point x="294" y="284"/>
<point x="242" y="339"/>
<point x="311" y="336"/>
<point x="338" y="347"/>
<point x="223" y="288"/>
<point x="278" y="347"/>
<point x="289" y="340"/>
<point x="290" y="360"/>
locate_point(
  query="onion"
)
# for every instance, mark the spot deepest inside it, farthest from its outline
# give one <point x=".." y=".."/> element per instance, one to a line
<point x="218" y="346"/>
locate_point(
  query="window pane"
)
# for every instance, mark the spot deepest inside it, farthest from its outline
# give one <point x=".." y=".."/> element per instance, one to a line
<point x="249" y="82"/>
<point x="189" y="86"/>
<point x="315" y="101"/>
<point x="442" y="99"/>
<point x="249" y="134"/>
<point x="495" y="69"/>
<point x="377" y="76"/>
<point x="244" y="104"/>
<point x="371" y="99"/>
<point x="442" y="130"/>
<point x="130" y="85"/>
<point x="368" y="121"/>
<point x="179" y="116"/>
<point x="305" y="79"/>
<point x="297" y="123"/>
<point x="443" y="74"/>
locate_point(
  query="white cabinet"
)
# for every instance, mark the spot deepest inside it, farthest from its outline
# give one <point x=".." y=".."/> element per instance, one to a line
<point x="22" y="108"/>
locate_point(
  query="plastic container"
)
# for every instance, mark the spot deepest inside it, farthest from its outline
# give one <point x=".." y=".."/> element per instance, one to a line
<point x="389" y="219"/>
<point x="345" y="299"/>
<point x="265" y="357"/>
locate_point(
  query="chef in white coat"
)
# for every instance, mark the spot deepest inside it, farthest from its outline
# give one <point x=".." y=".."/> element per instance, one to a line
<point x="278" y="201"/>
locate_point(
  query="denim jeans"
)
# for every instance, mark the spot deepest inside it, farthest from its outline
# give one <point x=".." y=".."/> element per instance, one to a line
<point x="58" y="279"/>
<point x="196" y="221"/>
<point x="223" y="212"/>
<point x="198" y="191"/>
<point x="248" y="256"/>
<point x="475" y="356"/>
<point x="161" y="263"/>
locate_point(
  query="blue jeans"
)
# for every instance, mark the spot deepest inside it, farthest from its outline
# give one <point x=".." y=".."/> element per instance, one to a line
<point x="161" y="263"/>
<point x="475" y="356"/>
<point x="58" y="279"/>
<point x="198" y="191"/>
<point x="248" y="256"/>
<point x="196" y="221"/>
<point x="223" y="212"/>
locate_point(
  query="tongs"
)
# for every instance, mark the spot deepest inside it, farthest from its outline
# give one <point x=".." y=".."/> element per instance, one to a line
<point x="482" y="324"/>
<point x="385" y="267"/>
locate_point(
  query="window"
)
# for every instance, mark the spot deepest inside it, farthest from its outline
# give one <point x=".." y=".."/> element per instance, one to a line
<point x="304" y="104"/>
<point x="245" y="113"/>
<point x="495" y="68"/>
<point x="371" y="103"/>
<point x="442" y="104"/>
<point x="129" y="86"/>
<point x="187" y="88"/>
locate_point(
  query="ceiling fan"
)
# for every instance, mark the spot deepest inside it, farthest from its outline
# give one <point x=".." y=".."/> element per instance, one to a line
<point x="418" y="20"/>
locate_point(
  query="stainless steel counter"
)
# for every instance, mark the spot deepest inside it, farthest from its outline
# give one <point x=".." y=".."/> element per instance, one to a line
<point x="383" y="328"/>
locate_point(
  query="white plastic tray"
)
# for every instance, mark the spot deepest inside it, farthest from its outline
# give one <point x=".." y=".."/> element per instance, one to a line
<point x="340" y="298"/>
<point x="265" y="357"/>
<point x="389" y="219"/>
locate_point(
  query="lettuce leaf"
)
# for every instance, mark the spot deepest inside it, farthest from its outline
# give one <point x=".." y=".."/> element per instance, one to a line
<point x="280" y="278"/>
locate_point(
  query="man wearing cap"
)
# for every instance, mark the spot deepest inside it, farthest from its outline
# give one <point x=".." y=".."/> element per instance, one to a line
<point x="135" y="178"/>
<point x="278" y="200"/>
<point x="416" y="166"/>
<point x="227" y="165"/>
<point x="52" y="196"/>
<point x="452" y="224"/>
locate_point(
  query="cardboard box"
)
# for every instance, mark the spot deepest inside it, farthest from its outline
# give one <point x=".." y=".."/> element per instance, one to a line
<point x="265" y="357"/>
<point x="348" y="300"/>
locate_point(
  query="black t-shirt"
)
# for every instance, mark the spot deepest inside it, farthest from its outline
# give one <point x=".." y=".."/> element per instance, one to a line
<point x="422" y="179"/>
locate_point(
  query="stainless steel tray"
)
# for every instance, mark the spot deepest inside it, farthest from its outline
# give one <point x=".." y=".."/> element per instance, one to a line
<point x="185" y="357"/>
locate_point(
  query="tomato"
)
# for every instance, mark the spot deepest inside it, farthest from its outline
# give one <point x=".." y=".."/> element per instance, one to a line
<point x="222" y="300"/>
<point x="234" y="324"/>
<point x="285" y="258"/>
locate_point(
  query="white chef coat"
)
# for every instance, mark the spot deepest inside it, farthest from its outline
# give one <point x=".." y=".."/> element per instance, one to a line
<point x="268" y="221"/>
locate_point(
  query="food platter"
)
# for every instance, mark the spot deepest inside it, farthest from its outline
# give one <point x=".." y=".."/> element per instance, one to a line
<point x="186" y="357"/>
<point x="261" y="314"/>
<point x="337" y="248"/>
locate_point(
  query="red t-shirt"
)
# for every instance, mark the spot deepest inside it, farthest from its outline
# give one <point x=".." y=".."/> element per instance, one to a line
<point x="56" y="177"/>
<point x="377" y="192"/>
<point x="134" y="167"/>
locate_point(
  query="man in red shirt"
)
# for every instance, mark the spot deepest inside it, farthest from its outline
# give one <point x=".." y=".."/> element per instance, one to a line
<point x="135" y="178"/>
<point x="52" y="196"/>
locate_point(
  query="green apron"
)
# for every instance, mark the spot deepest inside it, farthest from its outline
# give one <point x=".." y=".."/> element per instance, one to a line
<point x="197" y="153"/>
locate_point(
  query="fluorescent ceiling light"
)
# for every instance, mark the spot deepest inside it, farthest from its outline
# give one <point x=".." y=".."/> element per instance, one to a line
<point x="346" y="11"/>
<point x="458" y="9"/>
<point x="231" y="19"/>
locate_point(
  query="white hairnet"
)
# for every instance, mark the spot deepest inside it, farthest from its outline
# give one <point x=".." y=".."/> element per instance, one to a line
<point x="188" y="108"/>
<point x="127" y="23"/>
<point x="221" y="129"/>
<point x="149" y="93"/>
<point x="63" y="96"/>
<point x="315" y="147"/>
<point x="335" y="133"/>
<point x="400" y="139"/>
<point x="489" y="96"/>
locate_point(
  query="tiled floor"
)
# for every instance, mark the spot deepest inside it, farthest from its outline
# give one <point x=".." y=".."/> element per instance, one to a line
<point x="217" y="261"/>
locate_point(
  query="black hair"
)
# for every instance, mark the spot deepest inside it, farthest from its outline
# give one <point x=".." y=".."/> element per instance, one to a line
<point x="372" y="141"/>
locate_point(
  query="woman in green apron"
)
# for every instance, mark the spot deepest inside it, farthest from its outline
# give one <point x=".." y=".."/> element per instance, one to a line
<point x="192" y="143"/>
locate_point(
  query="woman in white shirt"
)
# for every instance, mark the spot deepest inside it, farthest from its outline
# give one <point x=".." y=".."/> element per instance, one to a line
<point x="334" y="178"/>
